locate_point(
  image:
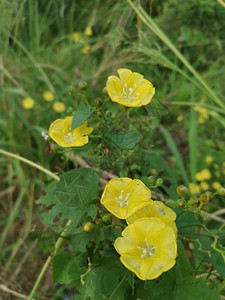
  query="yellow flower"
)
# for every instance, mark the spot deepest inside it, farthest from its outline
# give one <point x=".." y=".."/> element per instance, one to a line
<point x="124" y="196"/>
<point x="147" y="248"/>
<point x="86" y="49"/>
<point x="204" y="186"/>
<point x="201" y="120"/>
<point x="88" y="31"/>
<point x="48" y="96"/>
<point x="130" y="89"/>
<point x="203" y="175"/>
<point x="60" y="132"/>
<point x="180" y="118"/>
<point x="216" y="185"/>
<point x="158" y="210"/>
<point x="28" y="103"/>
<point x="217" y="173"/>
<point x="209" y="159"/>
<point x="59" y="107"/>
<point x="76" y="37"/>
<point x="194" y="188"/>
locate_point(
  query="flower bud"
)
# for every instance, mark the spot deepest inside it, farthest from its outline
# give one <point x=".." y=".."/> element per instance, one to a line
<point x="88" y="227"/>
<point x="221" y="191"/>
<point x="72" y="90"/>
<point x="182" y="190"/>
<point x="98" y="102"/>
<point x="180" y="204"/>
<point x="193" y="202"/>
<point x="159" y="181"/>
<point x="106" y="218"/>
<point x="130" y="153"/>
<point x="151" y="179"/>
<point x="90" y="152"/>
<point x="204" y="198"/>
<point x="99" y="114"/>
<point x="82" y="85"/>
<point x="108" y="114"/>
<point x="104" y="91"/>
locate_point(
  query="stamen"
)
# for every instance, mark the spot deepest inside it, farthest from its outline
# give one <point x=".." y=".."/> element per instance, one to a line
<point x="148" y="250"/>
<point x="122" y="200"/>
<point x="69" y="137"/>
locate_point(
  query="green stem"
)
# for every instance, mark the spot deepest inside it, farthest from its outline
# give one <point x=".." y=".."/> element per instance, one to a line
<point x="31" y="163"/>
<point x="58" y="245"/>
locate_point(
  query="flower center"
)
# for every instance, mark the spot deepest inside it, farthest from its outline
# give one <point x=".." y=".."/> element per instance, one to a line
<point x="122" y="200"/>
<point x="127" y="93"/>
<point x="69" y="137"/>
<point x="148" y="250"/>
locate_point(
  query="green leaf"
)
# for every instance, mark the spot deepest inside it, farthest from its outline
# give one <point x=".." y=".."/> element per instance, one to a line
<point x="81" y="115"/>
<point x="71" y="198"/>
<point x="125" y="141"/>
<point x="65" y="269"/>
<point x="80" y="240"/>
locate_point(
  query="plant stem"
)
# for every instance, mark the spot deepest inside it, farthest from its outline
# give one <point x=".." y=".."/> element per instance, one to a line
<point x="58" y="245"/>
<point x="31" y="163"/>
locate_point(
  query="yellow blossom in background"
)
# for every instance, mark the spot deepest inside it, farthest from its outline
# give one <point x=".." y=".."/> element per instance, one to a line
<point x="201" y="120"/>
<point x="216" y="185"/>
<point x="48" y="96"/>
<point x="209" y="159"/>
<point x="88" y="31"/>
<point x="158" y="210"/>
<point x="59" y="107"/>
<point x="194" y="188"/>
<point x="60" y="132"/>
<point x="203" y="175"/>
<point x="204" y="186"/>
<point x="180" y="118"/>
<point x="130" y="88"/>
<point x="147" y="247"/>
<point x="153" y="171"/>
<point x="216" y="166"/>
<point x="28" y="103"/>
<point x="217" y="173"/>
<point x="76" y="37"/>
<point x="86" y="49"/>
<point x="124" y="196"/>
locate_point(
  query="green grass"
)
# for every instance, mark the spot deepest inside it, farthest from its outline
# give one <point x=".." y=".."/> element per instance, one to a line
<point x="37" y="53"/>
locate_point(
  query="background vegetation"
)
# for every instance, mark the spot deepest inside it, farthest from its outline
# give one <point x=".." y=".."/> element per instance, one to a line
<point x="180" y="49"/>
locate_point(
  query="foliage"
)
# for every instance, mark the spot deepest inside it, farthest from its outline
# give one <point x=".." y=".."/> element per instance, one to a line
<point x="176" y="45"/>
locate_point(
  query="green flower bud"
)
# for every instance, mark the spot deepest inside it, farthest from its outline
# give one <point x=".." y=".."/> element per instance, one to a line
<point x="204" y="198"/>
<point x="98" y="102"/>
<point x="180" y="204"/>
<point x="130" y="153"/>
<point x="159" y="181"/>
<point x="82" y="85"/>
<point x="182" y="190"/>
<point x="88" y="227"/>
<point x="90" y="152"/>
<point x="99" y="114"/>
<point x="72" y="90"/>
<point x="221" y="191"/>
<point x="106" y="218"/>
<point x="104" y="91"/>
<point x="193" y="201"/>
<point x="108" y="114"/>
<point x="151" y="179"/>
